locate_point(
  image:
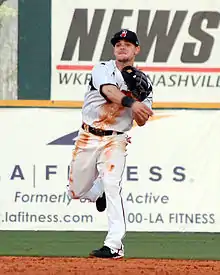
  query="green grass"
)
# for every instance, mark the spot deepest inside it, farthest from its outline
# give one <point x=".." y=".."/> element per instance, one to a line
<point x="137" y="244"/>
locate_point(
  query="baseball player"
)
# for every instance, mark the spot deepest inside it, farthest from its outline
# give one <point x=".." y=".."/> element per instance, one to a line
<point x="118" y="93"/>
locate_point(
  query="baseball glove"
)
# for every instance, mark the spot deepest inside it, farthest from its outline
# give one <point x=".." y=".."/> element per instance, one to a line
<point x="137" y="82"/>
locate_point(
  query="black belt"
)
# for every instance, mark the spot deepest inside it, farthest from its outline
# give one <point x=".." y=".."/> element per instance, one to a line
<point x="99" y="132"/>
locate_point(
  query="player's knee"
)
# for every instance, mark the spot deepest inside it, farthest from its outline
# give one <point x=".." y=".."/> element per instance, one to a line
<point x="76" y="193"/>
<point x="73" y="194"/>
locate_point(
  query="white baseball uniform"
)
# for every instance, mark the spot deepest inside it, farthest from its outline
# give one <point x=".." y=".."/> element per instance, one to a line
<point x="98" y="161"/>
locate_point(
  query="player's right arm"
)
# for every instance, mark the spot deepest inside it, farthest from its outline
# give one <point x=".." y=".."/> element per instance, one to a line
<point x="105" y="83"/>
<point x="140" y="110"/>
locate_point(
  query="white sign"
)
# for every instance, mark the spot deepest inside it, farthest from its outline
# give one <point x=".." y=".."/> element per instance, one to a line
<point x="179" y="46"/>
<point x="171" y="180"/>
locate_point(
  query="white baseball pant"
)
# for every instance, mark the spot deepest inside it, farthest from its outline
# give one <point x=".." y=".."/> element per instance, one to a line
<point x="97" y="165"/>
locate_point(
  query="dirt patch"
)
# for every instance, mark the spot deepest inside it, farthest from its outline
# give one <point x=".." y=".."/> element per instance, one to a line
<point x="93" y="266"/>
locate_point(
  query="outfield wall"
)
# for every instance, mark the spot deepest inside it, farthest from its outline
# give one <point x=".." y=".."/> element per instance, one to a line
<point x="179" y="47"/>
<point x="171" y="179"/>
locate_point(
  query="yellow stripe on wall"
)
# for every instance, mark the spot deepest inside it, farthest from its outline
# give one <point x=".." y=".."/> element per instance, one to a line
<point x="78" y="104"/>
<point x="41" y="103"/>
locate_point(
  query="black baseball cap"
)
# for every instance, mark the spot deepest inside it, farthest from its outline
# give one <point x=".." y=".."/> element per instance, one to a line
<point x="126" y="35"/>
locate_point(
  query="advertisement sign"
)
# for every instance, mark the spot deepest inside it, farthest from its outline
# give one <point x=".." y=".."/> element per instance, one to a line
<point x="179" y="46"/>
<point x="171" y="178"/>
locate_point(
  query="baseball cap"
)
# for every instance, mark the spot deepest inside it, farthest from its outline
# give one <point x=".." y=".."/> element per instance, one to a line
<point x="126" y="35"/>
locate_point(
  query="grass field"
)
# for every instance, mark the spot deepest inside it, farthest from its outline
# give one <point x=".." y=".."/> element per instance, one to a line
<point x="138" y="244"/>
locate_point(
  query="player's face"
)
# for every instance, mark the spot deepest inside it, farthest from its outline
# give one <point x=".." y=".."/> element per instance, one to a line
<point x="125" y="51"/>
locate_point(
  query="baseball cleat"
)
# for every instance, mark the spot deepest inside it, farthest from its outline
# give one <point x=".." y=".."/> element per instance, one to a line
<point x="105" y="252"/>
<point x="101" y="203"/>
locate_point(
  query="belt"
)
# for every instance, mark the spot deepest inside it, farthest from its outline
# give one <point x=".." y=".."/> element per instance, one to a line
<point x="99" y="132"/>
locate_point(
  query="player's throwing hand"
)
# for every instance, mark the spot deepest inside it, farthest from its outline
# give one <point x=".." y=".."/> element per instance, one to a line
<point x="141" y="110"/>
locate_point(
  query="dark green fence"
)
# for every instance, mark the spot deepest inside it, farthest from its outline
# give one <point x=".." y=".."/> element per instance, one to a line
<point x="34" y="49"/>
